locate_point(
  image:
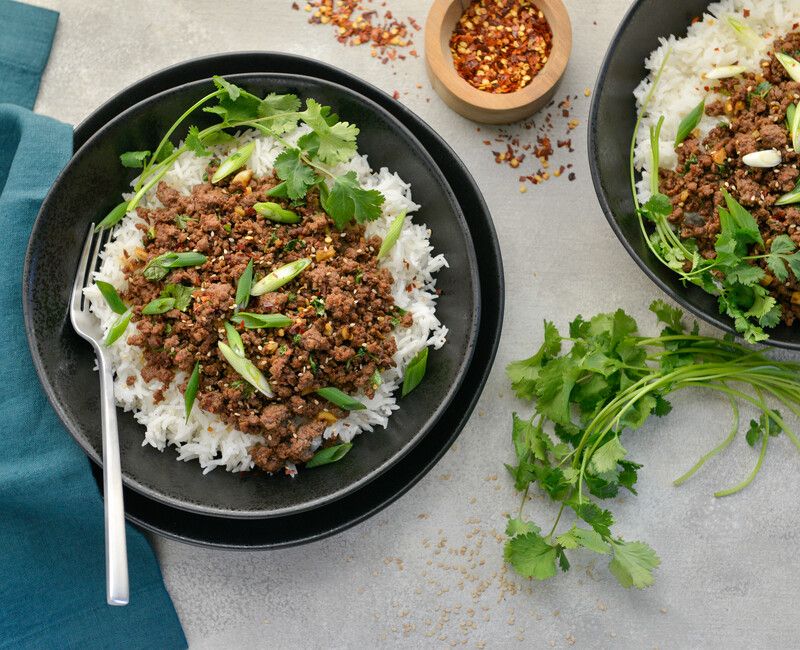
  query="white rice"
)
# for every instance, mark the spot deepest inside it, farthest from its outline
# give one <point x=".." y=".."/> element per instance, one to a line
<point x="709" y="43"/>
<point x="206" y="437"/>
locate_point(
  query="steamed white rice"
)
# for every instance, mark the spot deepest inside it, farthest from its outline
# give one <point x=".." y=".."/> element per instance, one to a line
<point x="206" y="437"/>
<point x="709" y="43"/>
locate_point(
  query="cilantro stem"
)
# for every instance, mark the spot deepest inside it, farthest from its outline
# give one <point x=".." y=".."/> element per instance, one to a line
<point x="558" y="518"/>
<point x="716" y="450"/>
<point x="752" y="475"/>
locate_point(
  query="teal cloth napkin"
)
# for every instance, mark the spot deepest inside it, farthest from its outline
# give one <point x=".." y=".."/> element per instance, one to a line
<point x="52" y="553"/>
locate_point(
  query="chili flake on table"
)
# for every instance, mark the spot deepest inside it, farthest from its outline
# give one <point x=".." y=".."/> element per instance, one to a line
<point x="358" y="24"/>
<point x="499" y="46"/>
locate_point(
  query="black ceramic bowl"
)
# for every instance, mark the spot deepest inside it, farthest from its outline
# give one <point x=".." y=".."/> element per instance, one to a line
<point x="91" y="184"/>
<point x="611" y="122"/>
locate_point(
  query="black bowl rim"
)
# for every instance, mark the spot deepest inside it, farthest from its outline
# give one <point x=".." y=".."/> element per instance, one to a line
<point x="213" y="63"/>
<point x="717" y="320"/>
<point x="459" y="375"/>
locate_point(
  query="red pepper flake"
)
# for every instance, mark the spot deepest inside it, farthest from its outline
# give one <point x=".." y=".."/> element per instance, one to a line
<point x="746" y="13"/>
<point x="396" y="94"/>
<point x="356" y="25"/>
<point x="295" y="6"/>
<point x="500" y="45"/>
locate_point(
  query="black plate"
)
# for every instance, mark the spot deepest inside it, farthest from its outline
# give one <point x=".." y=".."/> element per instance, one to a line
<point x="611" y="121"/>
<point x="354" y="508"/>
<point x="88" y="186"/>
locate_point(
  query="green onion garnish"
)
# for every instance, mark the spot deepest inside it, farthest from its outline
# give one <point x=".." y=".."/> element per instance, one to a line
<point x="257" y="321"/>
<point x="392" y="235"/>
<point x="790" y="197"/>
<point x="243" y="286"/>
<point x="329" y="455"/>
<point x="415" y="371"/>
<point x="233" y="162"/>
<point x="191" y="390"/>
<point x="794" y="129"/>
<point x="275" y="212"/>
<point x="158" y="306"/>
<point x="745" y="34"/>
<point x="118" y="328"/>
<point x="279" y="277"/>
<point x="690" y="122"/>
<point x="342" y="400"/>
<point x="158" y="267"/>
<point x="791" y="65"/>
<point x="246" y="369"/>
<point x="113" y="217"/>
<point x="111" y="296"/>
<point x="234" y="340"/>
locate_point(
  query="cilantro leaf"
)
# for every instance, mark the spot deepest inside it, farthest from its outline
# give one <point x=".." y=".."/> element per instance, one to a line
<point x="134" y="159"/>
<point x="283" y="109"/>
<point x="181" y="294"/>
<point x="232" y="90"/>
<point x="606" y="457"/>
<point x="588" y="539"/>
<point x="333" y="143"/>
<point x="194" y="142"/>
<point x="519" y="527"/>
<point x="600" y="520"/>
<point x="531" y="556"/>
<point x="633" y="564"/>
<point x="347" y="200"/>
<point x="671" y="316"/>
<point x="523" y="374"/>
<point x="298" y="176"/>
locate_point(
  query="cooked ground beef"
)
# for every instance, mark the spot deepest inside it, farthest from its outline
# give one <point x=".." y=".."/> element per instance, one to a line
<point x="341" y="306"/>
<point x="754" y="120"/>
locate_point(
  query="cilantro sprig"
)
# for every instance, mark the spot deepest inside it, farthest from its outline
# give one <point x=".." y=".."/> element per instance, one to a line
<point x="309" y="163"/>
<point x="610" y="381"/>
<point x="734" y="274"/>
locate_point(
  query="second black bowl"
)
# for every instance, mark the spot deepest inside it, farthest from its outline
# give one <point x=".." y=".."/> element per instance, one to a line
<point x="611" y="122"/>
<point x="92" y="182"/>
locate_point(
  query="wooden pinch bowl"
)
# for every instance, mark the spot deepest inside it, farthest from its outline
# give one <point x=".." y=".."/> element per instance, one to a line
<point x="480" y="105"/>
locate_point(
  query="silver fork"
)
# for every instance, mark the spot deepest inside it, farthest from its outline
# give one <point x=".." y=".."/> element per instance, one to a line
<point x="88" y="327"/>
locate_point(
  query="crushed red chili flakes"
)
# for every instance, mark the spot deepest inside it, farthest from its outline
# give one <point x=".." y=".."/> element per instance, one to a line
<point x="534" y="152"/>
<point x="358" y="24"/>
<point x="500" y="45"/>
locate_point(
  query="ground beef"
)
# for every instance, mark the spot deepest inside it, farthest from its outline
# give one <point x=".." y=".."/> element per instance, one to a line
<point x="752" y="122"/>
<point x="341" y="306"/>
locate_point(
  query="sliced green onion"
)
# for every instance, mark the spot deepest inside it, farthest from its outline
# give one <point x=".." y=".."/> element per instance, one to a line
<point x="113" y="217"/>
<point x="690" y="122"/>
<point x="243" y="287"/>
<point x="794" y="128"/>
<point x="415" y="371"/>
<point x="234" y="340"/>
<point x="765" y="158"/>
<point x="233" y="162"/>
<point x="655" y="132"/>
<point x="257" y="321"/>
<point x="280" y="276"/>
<point x="725" y="72"/>
<point x="329" y="455"/>
<point x="274" y="212"/>
<point x="342" y="400"/>
<point x="791" y="65"/>
<point x="392" y="235"/>
<point x="111" y="296"/>
<point x="191" y="390"/>
<point x="745" y="34"/>
<point x="158" y="306"/>
<point x="118" y="328"/>
<point x="790" y="197"/>
<point x="158" y="267"/>
<point x="246" y="369"/>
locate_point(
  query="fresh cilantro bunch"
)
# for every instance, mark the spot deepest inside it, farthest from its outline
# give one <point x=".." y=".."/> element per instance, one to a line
<point x="734" y="275"/>
<point x="308" y="164"/>
<point x="610" y="381"/>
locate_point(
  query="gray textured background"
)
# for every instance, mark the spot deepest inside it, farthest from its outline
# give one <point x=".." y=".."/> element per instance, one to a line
<point x="427" y="571"/>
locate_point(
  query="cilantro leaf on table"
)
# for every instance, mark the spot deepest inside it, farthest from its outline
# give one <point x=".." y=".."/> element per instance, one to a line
<point x="531" y="556"/>
<point x="523" y="374"/>
<point x="633" y="564"/>
<point x="347" y="200"/>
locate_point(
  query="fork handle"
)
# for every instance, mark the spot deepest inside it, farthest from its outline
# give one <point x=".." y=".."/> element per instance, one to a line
<point x="116" y="548"/>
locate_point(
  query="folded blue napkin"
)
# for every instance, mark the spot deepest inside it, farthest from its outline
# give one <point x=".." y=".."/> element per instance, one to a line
<point x="52" y="554"/>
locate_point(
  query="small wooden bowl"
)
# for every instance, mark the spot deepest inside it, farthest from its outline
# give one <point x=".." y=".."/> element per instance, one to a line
<point x="480" y="105"/>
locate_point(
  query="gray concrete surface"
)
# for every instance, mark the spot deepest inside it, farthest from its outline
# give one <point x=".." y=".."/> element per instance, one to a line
<point x="428" y="571"/>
